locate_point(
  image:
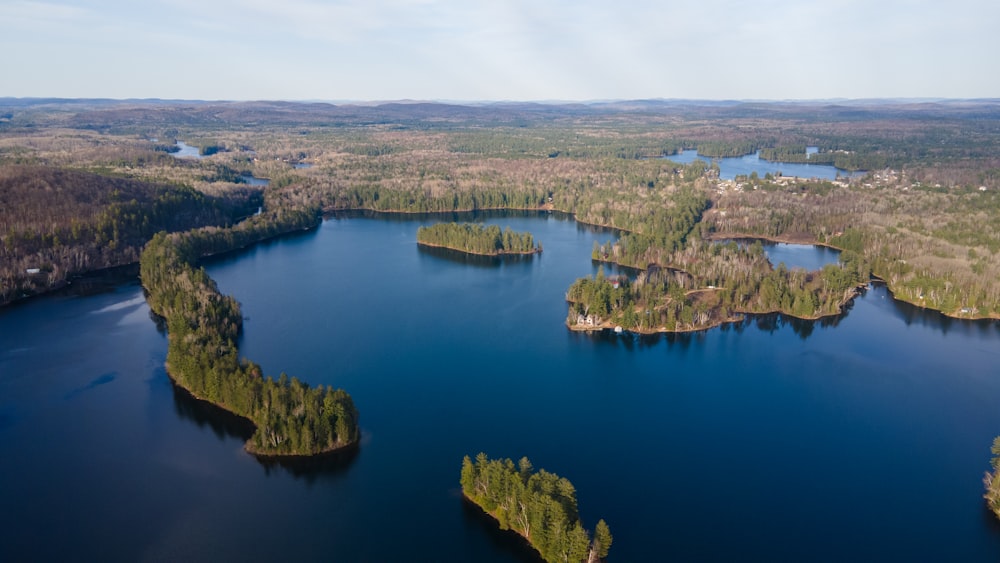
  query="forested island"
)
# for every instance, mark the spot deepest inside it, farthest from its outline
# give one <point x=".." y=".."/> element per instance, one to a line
<point x="485" y="240"/>
<point x="291" y="418"/>
<point x="539" y="506"/>
<point x="720" y="282"/>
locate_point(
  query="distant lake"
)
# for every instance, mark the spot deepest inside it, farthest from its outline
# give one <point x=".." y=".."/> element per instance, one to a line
<point x="252" y="180"/>
<point x="861" y="437"/>
<point x="729" y="168"/>
<point x="806" y="256"/>
<point x="187" y="151"/>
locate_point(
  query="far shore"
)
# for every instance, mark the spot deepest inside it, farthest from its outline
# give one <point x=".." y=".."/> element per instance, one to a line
<point x="801" y="238"/>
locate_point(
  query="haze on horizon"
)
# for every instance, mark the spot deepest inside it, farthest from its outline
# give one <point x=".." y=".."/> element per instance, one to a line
<point x="507" y="50"/>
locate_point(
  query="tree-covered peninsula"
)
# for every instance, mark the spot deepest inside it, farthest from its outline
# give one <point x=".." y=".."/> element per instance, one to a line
<point x="473" y="238"/>
<point x="538" y="505"/>
<point x="203" y="325"/>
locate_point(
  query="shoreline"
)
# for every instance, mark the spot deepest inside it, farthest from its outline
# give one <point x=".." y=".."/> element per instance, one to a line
<point x="248" y="444"/>
<point x="496" y="522"/>
<point x="803" y="239"/>
<point x="737" y="317"/>
<point x="547" y="207"/>
<point x="498" y="254"/>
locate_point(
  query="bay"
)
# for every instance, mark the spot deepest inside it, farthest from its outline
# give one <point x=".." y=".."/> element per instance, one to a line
<point x="860" y="437"/>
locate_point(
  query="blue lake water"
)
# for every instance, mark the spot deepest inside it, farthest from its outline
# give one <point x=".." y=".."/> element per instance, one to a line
<point x="745" y="165"/>
<point x="187" y="151"/>
<point x="857" y="438"/>
<point x="805" y="256"/>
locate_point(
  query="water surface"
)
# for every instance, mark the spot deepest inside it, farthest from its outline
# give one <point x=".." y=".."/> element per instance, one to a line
<point x="746" y="165"/>
<point x="857" y="438"/>
<point x="187" y="151"/>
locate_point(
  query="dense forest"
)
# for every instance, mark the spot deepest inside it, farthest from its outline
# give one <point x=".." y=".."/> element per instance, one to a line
<point x="538" y="505"/>
<point x="845" y="160"/>
<point x="721" y="281"/>
<point x="203" y="325"/>
<point x="56" y="223"/>
<point x="487" y="240"/>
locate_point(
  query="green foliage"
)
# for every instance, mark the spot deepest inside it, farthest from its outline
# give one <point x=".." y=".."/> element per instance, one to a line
<point x="726" y="149"/>
<point x="710" y="282"/>
<point x="203" y="325"/>
<point x="540" y="506"/>
<point x="843" y="159"/>
<point x="992" y="480"/>
<point x="210" y="149"/>
<point x="478" y="239"/>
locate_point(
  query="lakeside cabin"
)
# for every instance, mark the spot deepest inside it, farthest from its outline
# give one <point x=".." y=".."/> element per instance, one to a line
<point x="617" y="281"/>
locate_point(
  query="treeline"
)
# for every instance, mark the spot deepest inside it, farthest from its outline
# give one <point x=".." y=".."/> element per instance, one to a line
<point x="726" y="149"/>
<point x="478" y="239"/>
<point x="655" y="232"/>
<point x="291" y="418"/>
<point x="538" y="505"/>
<point x="423" y="201"/>
<point x="56" y="223"/>
<point x="717" y="282"/>
<point x="845" y="160"/>
<point x="560" y="143"/>
<point x="934" y="248"/>
<point x="992" y="480"/>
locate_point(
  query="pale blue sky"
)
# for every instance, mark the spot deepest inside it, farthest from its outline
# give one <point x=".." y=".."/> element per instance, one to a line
<point x="499" y="50"/>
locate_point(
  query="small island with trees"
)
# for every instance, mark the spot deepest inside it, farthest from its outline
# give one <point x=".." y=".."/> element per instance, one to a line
<point x="538" y="505"/>
<point x="485" y="240"/>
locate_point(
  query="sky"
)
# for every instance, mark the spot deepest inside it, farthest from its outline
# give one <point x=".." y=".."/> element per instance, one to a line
<point x="517" y="50"/>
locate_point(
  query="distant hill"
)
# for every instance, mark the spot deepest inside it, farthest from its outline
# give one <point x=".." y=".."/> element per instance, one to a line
<point x="57" y="223"/>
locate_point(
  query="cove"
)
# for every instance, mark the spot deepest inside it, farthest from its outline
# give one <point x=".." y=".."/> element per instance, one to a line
<point x="857" y="437"/>
<point x="185" y="150"/>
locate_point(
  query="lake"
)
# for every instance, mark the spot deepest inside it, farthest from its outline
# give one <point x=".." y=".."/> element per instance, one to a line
<point x="862" y="437"/>
<point x="731" y="167"/>
<point x="805" y="256"/>
<point x="252" y="180"/>
<point x="185" y="150"/>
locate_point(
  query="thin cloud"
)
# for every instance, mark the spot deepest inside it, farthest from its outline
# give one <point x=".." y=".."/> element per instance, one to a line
<point x="513" y="49"/>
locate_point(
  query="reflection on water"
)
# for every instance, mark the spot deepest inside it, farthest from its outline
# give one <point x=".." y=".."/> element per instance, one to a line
<point x="225" y="424"/>
<point x="468" y="259"/>
<point x="505" y="541"/>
